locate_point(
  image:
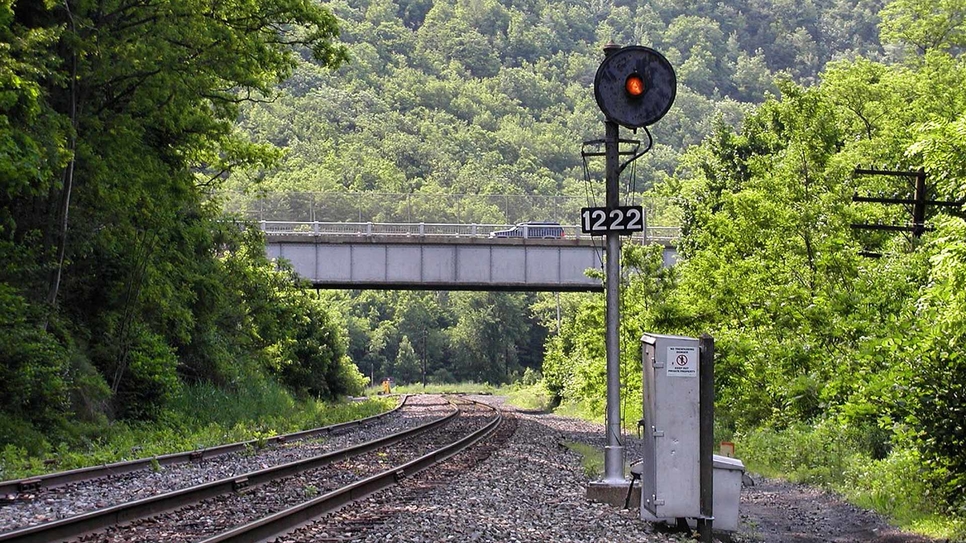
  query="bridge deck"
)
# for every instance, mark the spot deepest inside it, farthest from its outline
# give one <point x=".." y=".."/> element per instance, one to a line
<point x="458" y="257"/>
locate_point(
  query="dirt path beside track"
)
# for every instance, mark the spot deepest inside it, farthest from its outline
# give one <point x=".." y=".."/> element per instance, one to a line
<point x="774" y="511"/>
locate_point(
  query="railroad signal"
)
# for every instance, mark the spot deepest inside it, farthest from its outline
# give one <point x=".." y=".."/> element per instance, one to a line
<point x="635" y="86"/>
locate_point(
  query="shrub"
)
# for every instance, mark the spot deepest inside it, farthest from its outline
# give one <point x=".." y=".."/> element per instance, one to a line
<point x="894" y="486"/>
<point x="33" y="364"/>
<point x="150" y="379"/>
<point x="816" y="454"/>
<point x="313" y="362"/>
<point x="20" y="435"/>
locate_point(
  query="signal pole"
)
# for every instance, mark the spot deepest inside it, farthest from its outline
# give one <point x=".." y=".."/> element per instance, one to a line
<point x="634" y="87"/>
<point x="614" y="450"/>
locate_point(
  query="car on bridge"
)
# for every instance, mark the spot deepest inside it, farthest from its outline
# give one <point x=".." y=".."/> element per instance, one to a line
<point x="531" y="229"/>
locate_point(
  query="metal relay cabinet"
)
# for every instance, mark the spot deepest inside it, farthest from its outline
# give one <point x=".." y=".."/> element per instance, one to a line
<point x="670" y="481"/>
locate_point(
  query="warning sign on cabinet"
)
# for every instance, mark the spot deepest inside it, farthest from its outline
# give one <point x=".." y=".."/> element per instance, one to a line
<point x="682" y="361"/>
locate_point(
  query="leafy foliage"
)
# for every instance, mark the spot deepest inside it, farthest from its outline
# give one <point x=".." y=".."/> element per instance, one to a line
<point x="32" y="365"/>
<point x="807" y="330"/>
<point x="453" y="336"/>
<point x="120" y="281"/>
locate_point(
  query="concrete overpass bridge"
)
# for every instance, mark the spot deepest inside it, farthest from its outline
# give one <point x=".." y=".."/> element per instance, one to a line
<point x="431" y="256"/>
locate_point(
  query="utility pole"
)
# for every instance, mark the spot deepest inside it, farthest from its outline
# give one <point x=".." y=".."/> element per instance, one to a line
<point x="919" y="203"/>
<point x="706" y="438"/>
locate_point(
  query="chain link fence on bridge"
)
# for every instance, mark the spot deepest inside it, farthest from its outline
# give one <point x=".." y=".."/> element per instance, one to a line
<point x="429" y="208"/>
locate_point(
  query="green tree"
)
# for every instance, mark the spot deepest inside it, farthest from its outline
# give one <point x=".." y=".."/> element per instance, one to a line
<point x="935" y="367"/>
<point x="117" y="119"/>
<point x="487" y="336"/>
<point x="408" y="368"/>
<point x="927" y="26"/>
<point x="313" y="359"/>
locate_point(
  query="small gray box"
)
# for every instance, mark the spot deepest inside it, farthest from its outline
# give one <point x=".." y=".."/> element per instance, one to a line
<point x="727" y="492"/>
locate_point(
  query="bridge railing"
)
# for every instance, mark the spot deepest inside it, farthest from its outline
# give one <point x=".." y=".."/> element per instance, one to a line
<point x="660" y="234"/>
<point x="414" y="208"/>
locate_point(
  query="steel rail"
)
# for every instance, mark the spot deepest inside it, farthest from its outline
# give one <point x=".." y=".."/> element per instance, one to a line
<point x="52" y="480"/>
<point x="285" y="521"/>
<point x="95" y="520"/>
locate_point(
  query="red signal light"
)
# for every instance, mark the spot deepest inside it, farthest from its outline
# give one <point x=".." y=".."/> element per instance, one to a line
<point x="634" y="85"/>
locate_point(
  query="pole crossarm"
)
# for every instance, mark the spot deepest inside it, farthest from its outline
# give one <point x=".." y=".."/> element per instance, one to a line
<point x="919" y="201"/>
<point x="894" y="173"/>
<point x="635" y="143"/>
<point x="635" y="154"/>
<point x="883" y="200"/>
<point x="892" y="227"/>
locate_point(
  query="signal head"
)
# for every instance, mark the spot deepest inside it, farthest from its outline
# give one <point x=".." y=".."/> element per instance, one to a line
<point x="635" y="86"/>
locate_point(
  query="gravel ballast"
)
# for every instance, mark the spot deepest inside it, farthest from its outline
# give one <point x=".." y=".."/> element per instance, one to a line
<point x="533" y="488"/>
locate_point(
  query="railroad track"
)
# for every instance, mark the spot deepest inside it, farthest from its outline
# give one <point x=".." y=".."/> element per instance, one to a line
<point x="29" y="485"/>
<point x="370" y="514"/>
<point x="60" y="495"/>
<point x="259" y="504"/>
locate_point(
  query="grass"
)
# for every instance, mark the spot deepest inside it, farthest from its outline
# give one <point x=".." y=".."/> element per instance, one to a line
<point x="580" y="411"/>
<point x="202" y="416"/>
<point x="532" y="397"/>
<point x="453" y="388"/>
<point x="591" y="459"/>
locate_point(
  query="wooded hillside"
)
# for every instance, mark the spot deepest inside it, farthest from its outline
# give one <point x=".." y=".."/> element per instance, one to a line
<point x="488" y="97"/>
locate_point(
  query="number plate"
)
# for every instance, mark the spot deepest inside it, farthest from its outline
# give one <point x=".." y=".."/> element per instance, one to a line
<point x="601" y="220"/>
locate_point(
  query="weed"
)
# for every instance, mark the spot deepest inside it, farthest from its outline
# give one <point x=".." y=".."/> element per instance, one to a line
<point x="533" y="397"/>
<point x="832" y="456"/>
<point x="454" y="388"/>
<point x="592" y="458"/>
<point x="261" y="439"/>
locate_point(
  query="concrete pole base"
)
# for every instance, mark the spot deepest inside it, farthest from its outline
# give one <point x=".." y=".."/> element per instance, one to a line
<point x="615" y="494"/>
